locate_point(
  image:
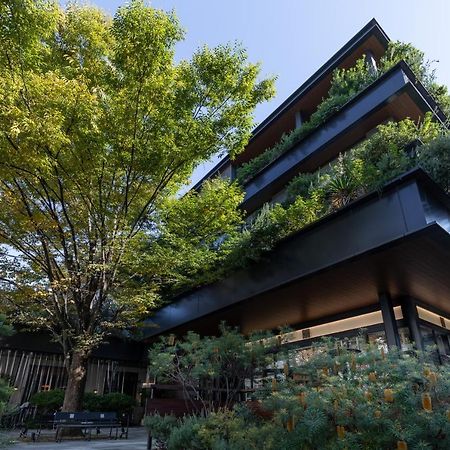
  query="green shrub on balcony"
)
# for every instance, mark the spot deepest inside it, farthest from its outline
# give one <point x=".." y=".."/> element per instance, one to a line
<point x="375" y="161"/>
<point x="368" y="166"/>
<point x="434" y="158"/>
<point x="345" y="84"/>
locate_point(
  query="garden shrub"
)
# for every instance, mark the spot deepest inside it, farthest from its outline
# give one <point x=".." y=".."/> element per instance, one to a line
<point x="227" y="359"/>
<point x="5" y="388"/>
<point x="369" y="165"/>
<point x="159" y="426"/>
<point x="51" y="401"/>
<point x="48" y="401"/>
<point x="371" y="399"/>
<point x="111" y="402"/>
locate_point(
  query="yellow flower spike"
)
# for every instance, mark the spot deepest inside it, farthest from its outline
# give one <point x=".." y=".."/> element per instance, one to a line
<point x="274" y="385"/>
<point x="377" y="413"/>
<point x="290" y="425"/>
<point x="286" y="370"/>
<point x="433" y="378"/>
<point x="368" y="395"/>
<point x="402" y="445"/>
<point x="340" y="431"/>
<point x="372" y="377"/>
<point x="302" y="398"/>
<point x="426" y="402"/>
<point x="388" y="396"/>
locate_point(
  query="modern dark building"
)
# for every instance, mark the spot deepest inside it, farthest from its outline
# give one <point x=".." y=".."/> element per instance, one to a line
<point x="379" y="263"/>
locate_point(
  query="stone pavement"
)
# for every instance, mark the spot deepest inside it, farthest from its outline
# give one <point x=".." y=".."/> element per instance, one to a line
<point x="137" y="440"/>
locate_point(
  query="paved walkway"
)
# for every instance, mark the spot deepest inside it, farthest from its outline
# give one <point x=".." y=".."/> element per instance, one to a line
<point x="137" y="440"/>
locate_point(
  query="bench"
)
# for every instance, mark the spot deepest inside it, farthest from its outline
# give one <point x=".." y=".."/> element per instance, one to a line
<point x="86" y="422"/>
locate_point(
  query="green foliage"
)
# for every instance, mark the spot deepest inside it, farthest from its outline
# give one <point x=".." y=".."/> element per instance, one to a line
<point x="377" y="398"/>
<point x="369" y="165"/>
<point x="160" y="426"/>
<point x="349" y="82"/>
<point x="345" y="84"/>
<point x="48" y="401"/>
<point x="100" y="128"/>
<point x="5" y="388"/>
<point x="221" y="363"/>
<point x="434" y="157"/>
<point x="5" y="328"/>
<point x="111" y="402"/>
<point x="302" y="186"/>
<point x="421" y="67"/>
<point x="191" y="231"/>
<point x="364" y="168"/>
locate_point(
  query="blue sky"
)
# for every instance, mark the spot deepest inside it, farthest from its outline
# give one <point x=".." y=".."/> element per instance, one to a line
<point x="293" y="38"/>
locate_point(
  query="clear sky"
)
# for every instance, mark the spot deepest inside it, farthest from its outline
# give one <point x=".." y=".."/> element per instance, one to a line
<point x="293" y="38"/>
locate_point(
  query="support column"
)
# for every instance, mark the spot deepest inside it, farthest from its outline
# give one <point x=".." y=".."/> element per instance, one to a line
<point x="298" y="119"/>
<point x="371" y="62"/>
<point x="409" y="310"/>
<point x="390" y="324"/>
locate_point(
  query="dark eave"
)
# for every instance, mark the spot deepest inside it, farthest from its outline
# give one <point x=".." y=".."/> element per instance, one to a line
<point x="408" y="207"/>
<point x="342" y="130"/>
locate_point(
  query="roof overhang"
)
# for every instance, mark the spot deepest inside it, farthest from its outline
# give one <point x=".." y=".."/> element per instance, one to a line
<point x="371" y="38"/>
<point x="306" y="98"/>
<point x="398" y="242"/>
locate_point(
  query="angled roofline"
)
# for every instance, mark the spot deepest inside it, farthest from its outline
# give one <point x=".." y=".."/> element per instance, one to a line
<point x="371" y="27"/>
<point x="223" y="162"/>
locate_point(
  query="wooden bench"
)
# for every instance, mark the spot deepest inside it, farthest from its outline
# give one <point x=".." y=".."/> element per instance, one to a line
<point x="86" y="422"/>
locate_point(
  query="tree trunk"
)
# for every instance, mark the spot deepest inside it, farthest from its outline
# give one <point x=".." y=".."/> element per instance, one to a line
<point x="73" y="397"/>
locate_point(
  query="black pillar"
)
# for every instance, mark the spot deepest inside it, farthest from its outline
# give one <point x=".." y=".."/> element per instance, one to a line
<point x="409" y="309"/>
<point x="390" y="324"/>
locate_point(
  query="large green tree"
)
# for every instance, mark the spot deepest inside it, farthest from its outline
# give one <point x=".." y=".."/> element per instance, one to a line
<point x="99" y="130"/>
